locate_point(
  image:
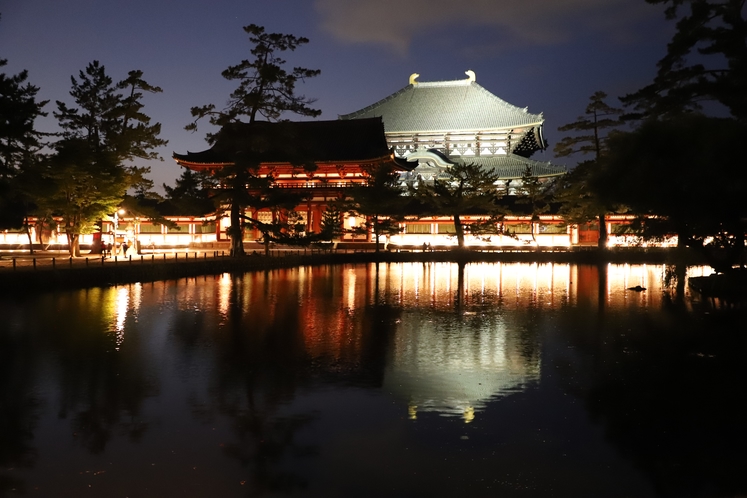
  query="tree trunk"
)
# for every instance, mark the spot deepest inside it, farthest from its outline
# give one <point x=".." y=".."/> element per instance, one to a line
<point x="682" y="236"/>
<point x="458" y="301"/>
<point x="602" y="231"/>
<point x="235" y="232"/>
<point x="73" y="244"/>
<point x="459" y="231"/>
<point x="28" y="234"/>
<point x="736" y="256"/>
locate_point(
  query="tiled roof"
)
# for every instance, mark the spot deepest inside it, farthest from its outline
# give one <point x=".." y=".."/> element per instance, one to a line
<point x="296" y="142"/>
<point x="512" y="167"/>
<point x="445" y="106"/>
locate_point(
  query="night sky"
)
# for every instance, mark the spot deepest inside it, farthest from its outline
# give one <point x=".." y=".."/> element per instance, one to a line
<point x="549" y="56"/>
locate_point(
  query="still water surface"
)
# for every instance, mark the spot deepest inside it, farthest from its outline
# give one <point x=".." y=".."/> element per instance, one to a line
<point x="508" y="380"/>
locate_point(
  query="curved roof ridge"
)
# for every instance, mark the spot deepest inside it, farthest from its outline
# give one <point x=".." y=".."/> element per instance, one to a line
<point x="446" y="105"/>
<point x="443" y="83"/>
<point x="524" y="110"/>
<point x="393" y="96"/>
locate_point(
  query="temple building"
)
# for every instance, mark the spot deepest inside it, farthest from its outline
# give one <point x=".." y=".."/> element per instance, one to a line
<point x="320" y="159"/>
<point x="421" y="131"/>
<point x="440" y="123"/>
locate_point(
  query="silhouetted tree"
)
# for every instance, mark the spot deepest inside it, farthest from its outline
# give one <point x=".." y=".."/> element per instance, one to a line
<point x="242" y="185"/>
<point x="381" y="201"/>
<point x="469" y="189"/>
<point x="102" y="134"/>
<point x="580" y="203"/>
<point x="705" y="61"/>
<point x="265" y="89"/>
<point x="331" y="225"/>
<point x="662" y="170"/>
<point x="534" y="194"/>
<point x="19" y="109"/>
<point x="85" y="188"/>
<point x="20" y="145"/>
<point x="191" y="193"/>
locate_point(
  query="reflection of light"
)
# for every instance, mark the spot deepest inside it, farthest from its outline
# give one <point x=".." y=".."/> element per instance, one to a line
<point x="539" y="283"/>
<point x="469" y="414"/>
<point x="699" y="271"/>
<point x="224" y="293"/>
<point x="136" y="292"/>
<point x="416" y="285"/>
<point x="454" y="367"/>
<point x="350" y="284"/>
<point x="120" y="313"/>
<point x="618" y="281"/>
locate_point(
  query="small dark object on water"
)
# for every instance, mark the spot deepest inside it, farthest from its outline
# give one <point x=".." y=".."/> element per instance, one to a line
<point x="637" y="288"/>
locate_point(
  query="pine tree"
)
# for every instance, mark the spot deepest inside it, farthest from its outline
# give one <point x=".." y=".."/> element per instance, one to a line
<point x="533" y="193"/>
<point x="87" y="186"/>
<point x="285" y="226"/>
<point x="469" y="189"/>
<point x="580" y="203"/>
<point x="109" y="120"/>
<point x="332" y="223"/>
<point x="103" y="133"/>
<point x="381" y="201"/>
<point x="668" y="186"/>
<point x="20" y="146"/>
<point x="265" y="89"/>
<point x="136" y="136"/>
<point x="706" y="60"/>
<point x="598" y="117"/>
<point x="19" y="109"/>
<point x="191" y="195"/>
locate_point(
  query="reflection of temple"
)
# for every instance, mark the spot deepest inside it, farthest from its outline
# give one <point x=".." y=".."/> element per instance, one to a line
<point x="455" y="366"/>
<point x="461" y="342"/>
<point x="438" y="339"/>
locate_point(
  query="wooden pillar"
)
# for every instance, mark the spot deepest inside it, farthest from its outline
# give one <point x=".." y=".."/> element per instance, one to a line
<point x="317" y="218"/>
<point x="309" y="220"/>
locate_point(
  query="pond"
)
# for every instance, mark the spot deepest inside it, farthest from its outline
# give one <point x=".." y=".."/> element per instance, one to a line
<point x="510" y="380"/>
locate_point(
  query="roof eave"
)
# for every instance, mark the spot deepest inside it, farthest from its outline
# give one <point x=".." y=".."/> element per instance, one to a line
<point x="469" y="130"/>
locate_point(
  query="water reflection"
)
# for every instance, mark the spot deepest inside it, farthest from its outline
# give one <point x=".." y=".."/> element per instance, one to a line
<point x="277" y="382"/>
<point x="455" y="365"/>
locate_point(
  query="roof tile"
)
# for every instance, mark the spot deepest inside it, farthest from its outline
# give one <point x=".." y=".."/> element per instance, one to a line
<point x="445" y="106"/>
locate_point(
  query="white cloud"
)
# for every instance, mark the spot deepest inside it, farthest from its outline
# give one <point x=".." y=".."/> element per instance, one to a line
<point x="394" y="23"/>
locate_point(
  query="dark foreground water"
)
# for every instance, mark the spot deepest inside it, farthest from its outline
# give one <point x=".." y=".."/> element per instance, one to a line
<point x="505" y="380"/>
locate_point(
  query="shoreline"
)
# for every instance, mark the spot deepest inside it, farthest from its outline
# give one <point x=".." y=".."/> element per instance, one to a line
<point x="100" y="273"/>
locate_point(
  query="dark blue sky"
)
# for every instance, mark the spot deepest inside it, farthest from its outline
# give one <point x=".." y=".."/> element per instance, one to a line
<point x="547" y="55"/>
